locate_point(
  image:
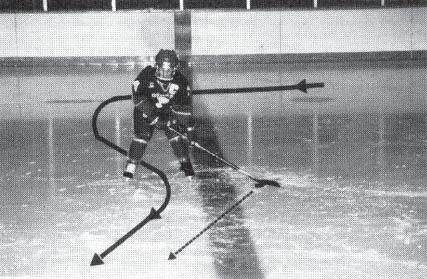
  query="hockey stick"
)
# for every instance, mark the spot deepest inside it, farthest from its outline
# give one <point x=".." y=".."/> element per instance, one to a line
<point x="259" y="182"/>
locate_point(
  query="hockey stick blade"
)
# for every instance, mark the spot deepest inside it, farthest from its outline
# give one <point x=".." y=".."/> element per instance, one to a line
<point x="264" y="182"/>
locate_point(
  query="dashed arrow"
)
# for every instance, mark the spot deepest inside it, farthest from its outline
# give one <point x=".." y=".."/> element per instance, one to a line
<point x="173" y="255"/>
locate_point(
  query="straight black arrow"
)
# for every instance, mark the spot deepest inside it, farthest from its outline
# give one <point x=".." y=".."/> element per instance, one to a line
<point x="97" y="259"/>
<point x="302" y="86"/>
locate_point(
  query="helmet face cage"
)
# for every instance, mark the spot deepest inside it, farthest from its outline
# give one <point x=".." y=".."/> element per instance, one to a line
<point x="165" y="71"/>
<point x="166" y="64"/>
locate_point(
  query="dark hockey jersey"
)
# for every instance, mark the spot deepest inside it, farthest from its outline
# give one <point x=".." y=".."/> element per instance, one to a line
<point x="147" y="88"/>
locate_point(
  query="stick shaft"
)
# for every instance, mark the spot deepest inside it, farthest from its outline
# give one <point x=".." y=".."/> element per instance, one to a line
<point x="235" y="167"/>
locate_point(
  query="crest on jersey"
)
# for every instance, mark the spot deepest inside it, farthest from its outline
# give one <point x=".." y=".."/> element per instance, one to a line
<point x="173" y="88"/>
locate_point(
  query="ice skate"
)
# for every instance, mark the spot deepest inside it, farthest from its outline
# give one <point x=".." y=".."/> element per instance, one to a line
<point x="187" y="168"/>
<point x="129" y="171"/>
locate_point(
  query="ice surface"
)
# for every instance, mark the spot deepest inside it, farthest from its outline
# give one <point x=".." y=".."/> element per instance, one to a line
<point x="352" y="203"/>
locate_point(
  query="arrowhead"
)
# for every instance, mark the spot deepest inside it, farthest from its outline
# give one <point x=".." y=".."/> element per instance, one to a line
<point x="172" y="256"/>
<point x="303" y="86"/>
<point x="154" y="214"/>
<point x="96" y="260"/>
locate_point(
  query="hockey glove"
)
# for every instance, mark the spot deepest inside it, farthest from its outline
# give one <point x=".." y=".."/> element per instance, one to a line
<point x="163" y="125"/>
<point x="148" y="110"/>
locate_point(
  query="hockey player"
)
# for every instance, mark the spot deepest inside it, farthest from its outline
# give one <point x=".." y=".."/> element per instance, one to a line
<point x="162" y="99"/>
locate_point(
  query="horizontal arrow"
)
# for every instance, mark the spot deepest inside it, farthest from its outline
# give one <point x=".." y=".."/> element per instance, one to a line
<point x="302" y="86"/>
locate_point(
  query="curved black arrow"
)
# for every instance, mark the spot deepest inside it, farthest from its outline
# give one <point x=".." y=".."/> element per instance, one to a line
<point x="302" y="86"/>
<point x="154" y="214"/>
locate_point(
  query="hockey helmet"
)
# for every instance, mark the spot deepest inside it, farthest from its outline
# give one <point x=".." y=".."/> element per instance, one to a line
<point x="166" y="64"/>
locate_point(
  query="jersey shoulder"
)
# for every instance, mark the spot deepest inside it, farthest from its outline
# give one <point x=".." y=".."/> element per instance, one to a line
<point x="147" y="74"/>
<point x="180" y="79"/>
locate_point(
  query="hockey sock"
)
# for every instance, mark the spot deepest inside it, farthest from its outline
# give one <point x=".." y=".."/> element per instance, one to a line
<point x="136" y="150"/>
<point x="180" y="148"/>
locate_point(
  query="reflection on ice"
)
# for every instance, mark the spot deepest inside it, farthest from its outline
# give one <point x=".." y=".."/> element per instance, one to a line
<point x="233" y="249"/>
